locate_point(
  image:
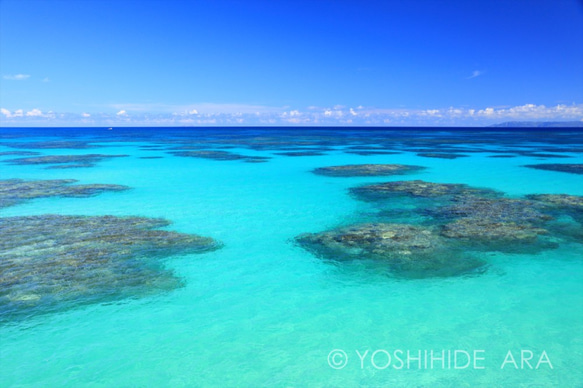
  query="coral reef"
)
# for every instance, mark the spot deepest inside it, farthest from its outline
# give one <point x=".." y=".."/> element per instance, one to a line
<point x="494" y="209"/>
<point x="51" y="144"/>
<point x="571" y="205"/>
<point x="571" y="168"/>
<point x="300" y="153"/>
<point x="15" y="191"/>
<point x="566" y="201"/>
<point x="416" y="188"/>
<point x="19" y="153"/>
<point x="69" y="161"/>
<point x="488" y="231"/>
<point x="502" y="224"/>
<point x="68" y="166"/>
<point x="442" y="226"/>
<point x="366" y="170"/>
<point x="369" y="153"/>
<point x="52" y="262"/>
<point x="440" y="155"/>
<point x="407" y="251"/>
<point x="220" y="155"/>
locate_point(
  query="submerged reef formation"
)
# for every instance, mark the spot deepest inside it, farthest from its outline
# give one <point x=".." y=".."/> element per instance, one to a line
<point x="494" y="209"/>
<point x="220" y="155"/>
<point x="52" y="262"/>
<point x="301" y="153"/>
<point x="500" y="236"/>
<point x="439" y="229"/>
<point x="572" y="205"/>
<point x="407" y="250"/>
<point x="571" y="168"/>
<point x="565" y="201"/>
<point x="67" y="161"/>
<point x="543" y="155"/>
<point x="370" y="153"/>
<point x="19" y="153"/>
<point x="51" y="144"/>
<point x="501" y="224"/>
<point x="367" y="170"/>
<point x="415" y="188"/>
<point x="440" y="155"/>
<point x="15" y="191"/>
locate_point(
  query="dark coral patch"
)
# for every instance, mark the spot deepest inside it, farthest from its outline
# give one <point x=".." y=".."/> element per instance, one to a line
<point x="300" y="153"/>
<point x="416" y="188"/>
<point x="571" y="205"/>
<point x="15" y="191"/>
<point x="68" y="166"/>
<point x="19" y="153"/>
<point x="436" y="229"/>
<point x="220" y="155"/>
<point x="51" y="144"/>
<point x="75" y="160"/>
<point x="502" y="236"/>
<point x="494" y="210"/>
<point x="52" y="262"/>
<point x="571" y="168"/>
<point x="440" y="155"/>
<point x="501" y="224"/>
<point x="542" y="155"/>
<point x="214" y="155"/>
<point x="256" y="159"/>
<point x="367" y="170"/>
<point x="567" y="201"/>
<point x="405" y="250"/>
<point x="370" y="153"/>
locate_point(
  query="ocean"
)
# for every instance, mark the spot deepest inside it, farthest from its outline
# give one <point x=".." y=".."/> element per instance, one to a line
<point x="261" y="305"/>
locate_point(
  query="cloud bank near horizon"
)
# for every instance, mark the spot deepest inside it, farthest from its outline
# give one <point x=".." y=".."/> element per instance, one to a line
<point x="208" y="114"/>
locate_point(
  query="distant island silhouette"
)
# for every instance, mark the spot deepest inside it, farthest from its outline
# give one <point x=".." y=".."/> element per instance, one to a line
<point x="539" y="124"/>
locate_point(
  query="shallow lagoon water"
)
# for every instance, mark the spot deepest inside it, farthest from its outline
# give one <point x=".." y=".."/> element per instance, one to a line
<point x="262" y="311"/>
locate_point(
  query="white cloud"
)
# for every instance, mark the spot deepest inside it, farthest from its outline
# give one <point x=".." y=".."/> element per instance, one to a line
<point x="431" y="112"/>
<point x="486" y="112"/>
<point x="34" y="112"/>
<point x="205" y="108"/>
<point x="16" y="77"/>
<point x="46" y="79"/>
<point x="476" y="73"/>
<point x="454" y="116"/>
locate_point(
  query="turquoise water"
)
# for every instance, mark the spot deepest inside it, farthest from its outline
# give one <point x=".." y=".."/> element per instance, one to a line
<point x="262" y="311"/>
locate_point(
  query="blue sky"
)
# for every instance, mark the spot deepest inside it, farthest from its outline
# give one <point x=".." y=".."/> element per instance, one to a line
<point x="319" y="62"/>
